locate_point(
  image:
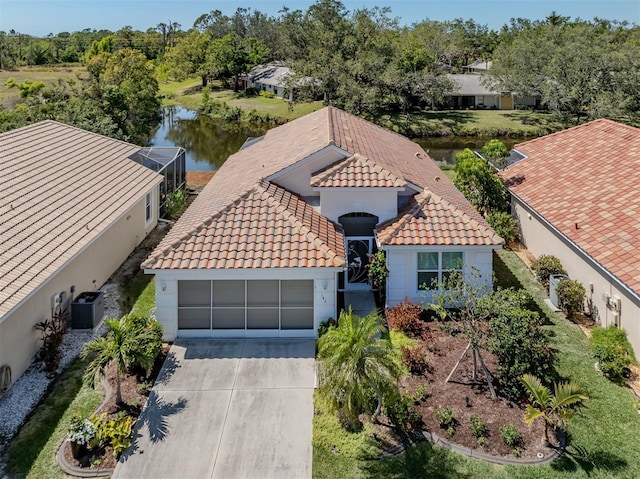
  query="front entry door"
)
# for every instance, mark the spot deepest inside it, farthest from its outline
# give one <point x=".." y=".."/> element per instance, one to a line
<point x="358" y="250"/>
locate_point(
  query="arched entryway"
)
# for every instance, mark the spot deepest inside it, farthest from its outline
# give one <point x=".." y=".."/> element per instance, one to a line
<point x="359" y="244"/>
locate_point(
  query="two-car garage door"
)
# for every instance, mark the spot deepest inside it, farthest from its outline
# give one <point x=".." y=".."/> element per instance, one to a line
<point x="245" y="305"/>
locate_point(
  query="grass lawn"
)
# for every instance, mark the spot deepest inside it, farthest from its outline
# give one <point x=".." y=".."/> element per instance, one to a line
<point x="32" y="452"/>
<point x="47" y="74"/>
<point x="187" y="94"/>
<point x="603" y="437"/>
<point x="473" y="123"/>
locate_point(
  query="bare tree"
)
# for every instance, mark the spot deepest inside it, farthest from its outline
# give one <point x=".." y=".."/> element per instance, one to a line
<point x="456" y="300"/>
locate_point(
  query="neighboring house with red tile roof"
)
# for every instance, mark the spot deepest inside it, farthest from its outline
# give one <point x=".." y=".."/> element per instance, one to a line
<point x="576" y="195"/>
<point x="286" y="225"/>
<point x="72" y="207"/>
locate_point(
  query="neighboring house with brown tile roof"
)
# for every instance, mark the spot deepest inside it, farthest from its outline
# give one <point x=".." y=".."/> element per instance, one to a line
<point x="576" y="195"/>
<point x="72" y="208"/>
<point x="285" y="227"/>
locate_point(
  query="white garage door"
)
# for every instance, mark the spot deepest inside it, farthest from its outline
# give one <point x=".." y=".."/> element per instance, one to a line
<point x="241" y="306"/>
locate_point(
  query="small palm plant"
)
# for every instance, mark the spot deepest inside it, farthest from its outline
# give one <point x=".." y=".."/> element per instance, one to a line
<point x="126" y="344"/>
<point x="555" y="408"/>
<point x="355" y="361"/>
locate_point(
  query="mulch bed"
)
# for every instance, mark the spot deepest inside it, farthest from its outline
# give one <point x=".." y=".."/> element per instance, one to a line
<point x="468" y="399"/>
<point x="135" y="391"/>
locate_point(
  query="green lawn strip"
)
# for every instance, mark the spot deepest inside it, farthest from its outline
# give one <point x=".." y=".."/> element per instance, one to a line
<point x="32" y="452"/>
<point x="138" y="294"/>
<point x="146" y="298"/>
<point x="603" y="438"/>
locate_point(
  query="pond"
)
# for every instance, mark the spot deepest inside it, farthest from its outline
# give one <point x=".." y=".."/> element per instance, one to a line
<point x="209" y="142"/>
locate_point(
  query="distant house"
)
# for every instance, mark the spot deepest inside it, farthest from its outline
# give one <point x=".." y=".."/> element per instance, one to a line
<point x="576" y="196"/>
<point x="72" y="208"/>
<point x="280" y="238"/>
<point x="478" y="66"/>
<point x="472" y="92"/>
<point x="270" y="77"/>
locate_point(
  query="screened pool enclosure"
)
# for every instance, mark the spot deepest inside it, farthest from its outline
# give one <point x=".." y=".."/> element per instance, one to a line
<point x="170" y="163"/>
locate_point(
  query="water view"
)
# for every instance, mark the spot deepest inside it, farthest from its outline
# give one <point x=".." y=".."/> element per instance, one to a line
<point x="209" y="142"/>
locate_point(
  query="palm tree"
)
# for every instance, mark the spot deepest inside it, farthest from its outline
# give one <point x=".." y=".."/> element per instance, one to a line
<point x="125" y="344"/>
<point x="357" y="360"/>
<point x="554" y="408"/>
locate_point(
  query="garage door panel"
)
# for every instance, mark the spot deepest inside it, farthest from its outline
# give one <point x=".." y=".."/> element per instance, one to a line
<point x="263" y="318"/>
<point x="228" y="318"/>
<point x="194" y="293"/>
<point x="228" y="294"/>
<point x="246" y="305"/>
<point x="297" y="318"/>
<point x="263" y="293"/>
<point x="297" y="293"/>
<point x="194" y="318"/>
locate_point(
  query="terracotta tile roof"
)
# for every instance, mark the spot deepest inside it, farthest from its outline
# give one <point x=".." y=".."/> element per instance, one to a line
<point x="431" y="220"/>
<point x="61" y="188"/>
<point x="290" y="143"/>
<point x="587" y="176"/>
<point x="266" y="227"/>
<point x="356" y="172"/>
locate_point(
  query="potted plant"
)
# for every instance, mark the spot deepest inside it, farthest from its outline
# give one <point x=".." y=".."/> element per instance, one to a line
<point x="81" y="432"/>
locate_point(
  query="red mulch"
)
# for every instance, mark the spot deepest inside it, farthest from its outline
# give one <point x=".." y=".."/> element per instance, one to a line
<point x="468" y="398"/>
<point x="135" y="390"/>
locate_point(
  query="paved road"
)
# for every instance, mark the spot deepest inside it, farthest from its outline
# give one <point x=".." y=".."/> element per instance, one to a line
<point x="228" y="409"/>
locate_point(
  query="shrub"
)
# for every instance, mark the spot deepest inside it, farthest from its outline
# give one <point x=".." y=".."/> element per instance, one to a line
<point x="517" y="339"/>
<point x="612" y="350"/>
<point x="446" y="417"/>
<point x="478" y="428"/>
<point x="510" y="435"/>
<point x="174" y="203"/>
<point x="325" y="326"/>
<point x="547" y="265"/>
<point x="414" y="359"/>
<point x="267" y="94"/>
<point x="150" y="344"/>
<point x="116" y="433"/>
<point x="570" y="296"/>
<point x="503" y="224"/>
<point x="401" y="413"/>
<point x="405" y="317"/>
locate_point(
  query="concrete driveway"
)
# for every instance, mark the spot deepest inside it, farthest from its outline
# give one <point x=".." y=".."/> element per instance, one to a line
<point x="228" y="409"/>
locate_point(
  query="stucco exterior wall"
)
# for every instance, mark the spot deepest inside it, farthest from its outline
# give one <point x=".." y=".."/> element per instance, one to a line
<point x="91" y="268"/>
<point x="324" y="296"/>
<point x="541" y="239"/>
<point x="297" y="179"/>
<point x="403" y="270"/>
<point x="381" y="202"/>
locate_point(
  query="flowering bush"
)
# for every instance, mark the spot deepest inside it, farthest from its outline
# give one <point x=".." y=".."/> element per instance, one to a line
<point x="81" y="431"/>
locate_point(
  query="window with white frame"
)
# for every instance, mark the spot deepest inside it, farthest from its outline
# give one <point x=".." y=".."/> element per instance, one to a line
<point x="434" y="267"/>
<point x="148" y="208"/>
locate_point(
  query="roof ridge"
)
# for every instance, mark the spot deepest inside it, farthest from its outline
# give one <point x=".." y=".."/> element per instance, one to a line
<point x="194" y="230"/>
<point x="583" y="125"/>
<point x="407" y="213"/>
<point x="292" y="218"/>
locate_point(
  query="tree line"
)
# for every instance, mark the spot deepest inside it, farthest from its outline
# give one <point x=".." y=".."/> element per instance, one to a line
<point x="366" y="62"/>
